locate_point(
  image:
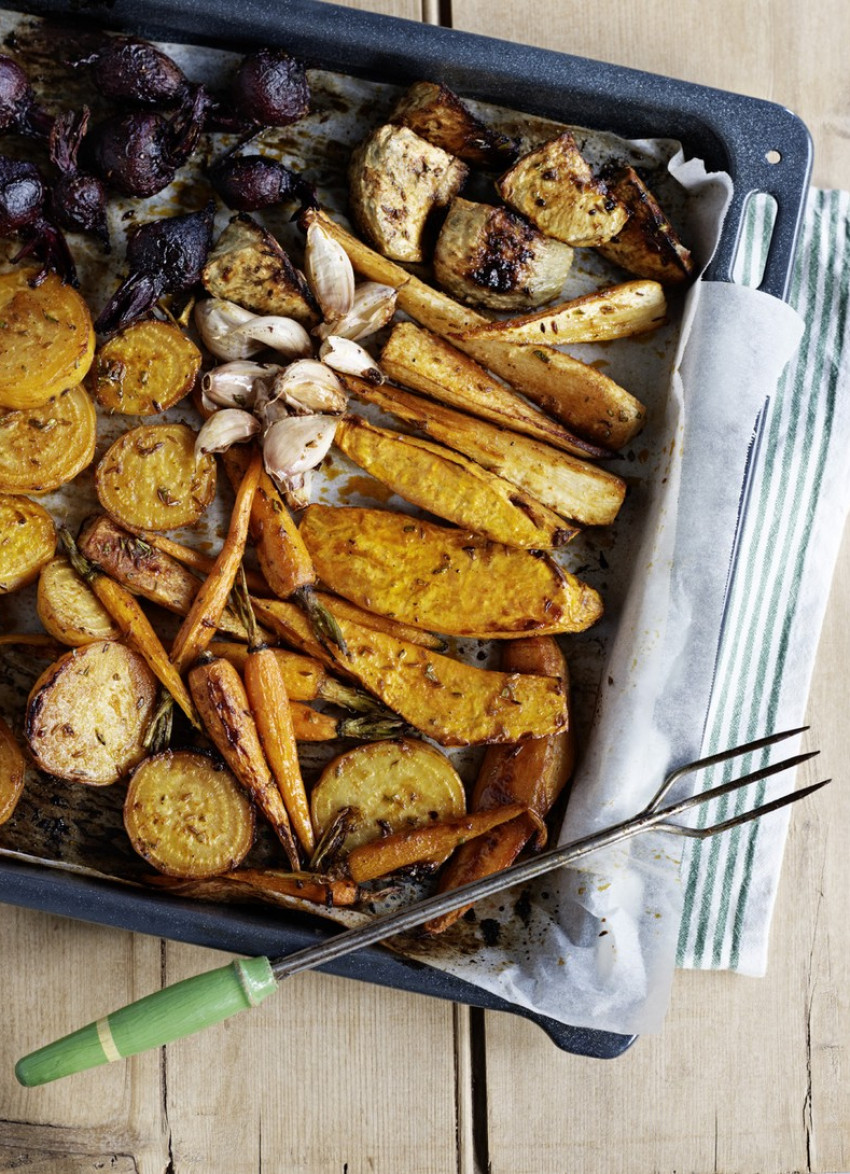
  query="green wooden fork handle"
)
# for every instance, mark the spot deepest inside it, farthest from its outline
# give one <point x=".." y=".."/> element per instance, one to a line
<point x="157" y="1019"/>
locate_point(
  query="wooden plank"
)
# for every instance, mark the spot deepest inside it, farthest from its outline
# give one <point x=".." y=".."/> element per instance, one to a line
<point x="326" y="1075"/>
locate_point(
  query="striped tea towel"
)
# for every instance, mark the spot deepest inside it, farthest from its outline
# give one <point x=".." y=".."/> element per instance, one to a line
<point x="789" y="542"/>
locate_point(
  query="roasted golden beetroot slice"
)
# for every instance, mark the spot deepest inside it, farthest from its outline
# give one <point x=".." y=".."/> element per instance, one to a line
<point x="47" y="339"/>
<point x="393" y="785"/>
<point x="146" y="368"/>
<point x="187" y="816"/>
<point x="44" y="447"/>
<point x="88" y="713"/>
<point x="149" y="478"/>
<point x="452" y="487"/>
<point x="13" y="769"/>
<point x="454" y="703"/>
<point x="438" y="578"/>
<point x="27" y="541"/>
<point x="69" y="609"/>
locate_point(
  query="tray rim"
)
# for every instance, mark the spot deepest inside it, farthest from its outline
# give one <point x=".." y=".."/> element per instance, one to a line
<point x="729" y="130"/>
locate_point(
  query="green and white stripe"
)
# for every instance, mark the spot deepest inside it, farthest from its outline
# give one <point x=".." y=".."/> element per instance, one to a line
<point x="788" y="545"/>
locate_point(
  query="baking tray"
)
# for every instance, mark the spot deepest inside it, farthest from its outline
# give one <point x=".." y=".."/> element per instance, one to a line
<point x="730" y="132"/>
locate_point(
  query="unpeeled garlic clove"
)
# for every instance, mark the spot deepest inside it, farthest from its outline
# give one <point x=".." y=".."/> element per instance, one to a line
<point x="217" y="320"/>
<point x="309" y="386"/>
<point x="349" y="358"/>
<point x="284" y="335"/>
<point x="293" y="446"/>
<point x="224" y="428"/>
<point x="234" y="385"/>
<point x="329" y="274"/>
<point x="372" y="308"/>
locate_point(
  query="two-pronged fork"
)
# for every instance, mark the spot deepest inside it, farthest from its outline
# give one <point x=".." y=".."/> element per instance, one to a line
<point x="199" y="1002"/>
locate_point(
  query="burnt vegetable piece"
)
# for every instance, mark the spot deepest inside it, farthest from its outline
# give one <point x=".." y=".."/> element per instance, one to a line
<point x="19" y="111"/>
<point x="130" y="70"/>
<point x="249" y="182"/>
<point x="164" y="257"/>
<point x="77" y="199"/>
<point x="270" y="89"/>
<point x="22" y="196"/>
<point x="138" y="154"/>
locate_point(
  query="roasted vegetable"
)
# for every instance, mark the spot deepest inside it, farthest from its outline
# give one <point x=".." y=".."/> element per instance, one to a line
<point x="144" y="369"/>
<point x="554" y="187"/>
<point x="330" y="891"/>
<point x="270" y="88"/>
<point x="434" y="577"/>
<point x="88" y="714"/>
<point x="45" y="447"/>
<point x="13" y="769"/>
<point x="437" y="114"/>
<point x="249" y="267"/>
<point x="396" y="180"/>
<point x="575" y="489"/>
<point x="533" y="774"/>
<point x="48" y="340"/>
<point x="647" y="244"/>
<point x="492" y="257"/>
<point x="454" y="703"/>
<point x="247" y="183"/>
<point x="419" y="359"/>
<point x="19" y="111"/>
<point x="127" y="69"/>
<point x="392" y="785"/>
<point x="69" y="609"/>
<point x="149" y="478"/>
<point x="202" y="620"/>
<point x="77" y="200"/>
<point x="430" y="845"/>
<point x="311" y="725"/>
<point x="187" y="816"/>
<point x="27" y="541"/>
<point x="23" y="200"/>
<point x="452" y="487"/>
<point x="617" y="312"/>
<point x="222" y="702"/>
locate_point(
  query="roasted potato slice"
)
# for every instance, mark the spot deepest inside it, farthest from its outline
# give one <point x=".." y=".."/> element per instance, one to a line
<point x="44" y="447"/>
<point x="69" y="609"/>
<point x="393" y="785"/>
<point x="554" y="187"/>
<point x="647" y="245"/>
<point x="149" y="478"/>
<point x="396" y="180"/>
<point x="48" y="339"/>
<point x="88" y="713"/>
<point x="444" y="579"/>
<point x="187" y="816"/>
<point x="437" y="114"/>
<point x="13" y="769"/>
<point x="27" y="541"/>
<point x="452" y="487"/>
<point x="575" y="489"/>
<point x="492" y="257"/>
<point x="249" y="267"/>
<point x="620" y="311"/>
<point x="144" y="369"/>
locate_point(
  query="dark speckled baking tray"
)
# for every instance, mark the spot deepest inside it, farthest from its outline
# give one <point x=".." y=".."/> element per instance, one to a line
<point x="728" y="131"/>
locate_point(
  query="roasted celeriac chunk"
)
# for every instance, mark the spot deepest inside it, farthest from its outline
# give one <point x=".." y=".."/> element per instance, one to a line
<point x="396" y="179"/>
<point x="249" y="267"/>
<point x="437" y="114"/>
<point x="492" y="257"/>
<point x="554" y="187"/>
<point x="647" y="245"/>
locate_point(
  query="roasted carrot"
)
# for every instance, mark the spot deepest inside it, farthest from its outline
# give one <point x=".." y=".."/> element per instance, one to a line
<point x="305" y="677"/>
<point x="309" y="886"/>
<point x="128" y="615"/>
<point x="222" y="703"/>
<point x="312" y="726"/>
<point x="200" y="625"/>
<point x="533" y="773"/>
<point x="429" y="844"/>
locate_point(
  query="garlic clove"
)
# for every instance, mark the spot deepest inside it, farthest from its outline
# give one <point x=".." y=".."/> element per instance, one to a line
<point x="372" y="308"/>
<point x="284" y="335"/>
<point x="234" y="385"/>
<point x="329" y="273"/>
<point x="216" y="320"/>
<point x="224" y="428"/>
<point x="309" y="386"/>
<point x="293" y="446"/>
<point x="349" y="358"/>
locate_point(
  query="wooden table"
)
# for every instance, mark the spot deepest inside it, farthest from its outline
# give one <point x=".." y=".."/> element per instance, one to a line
<point x="748" y="1075"/>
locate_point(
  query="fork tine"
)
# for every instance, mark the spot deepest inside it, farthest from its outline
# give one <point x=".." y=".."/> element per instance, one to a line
<point x="738" y="784"/>
<point x="702" y="833"/>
